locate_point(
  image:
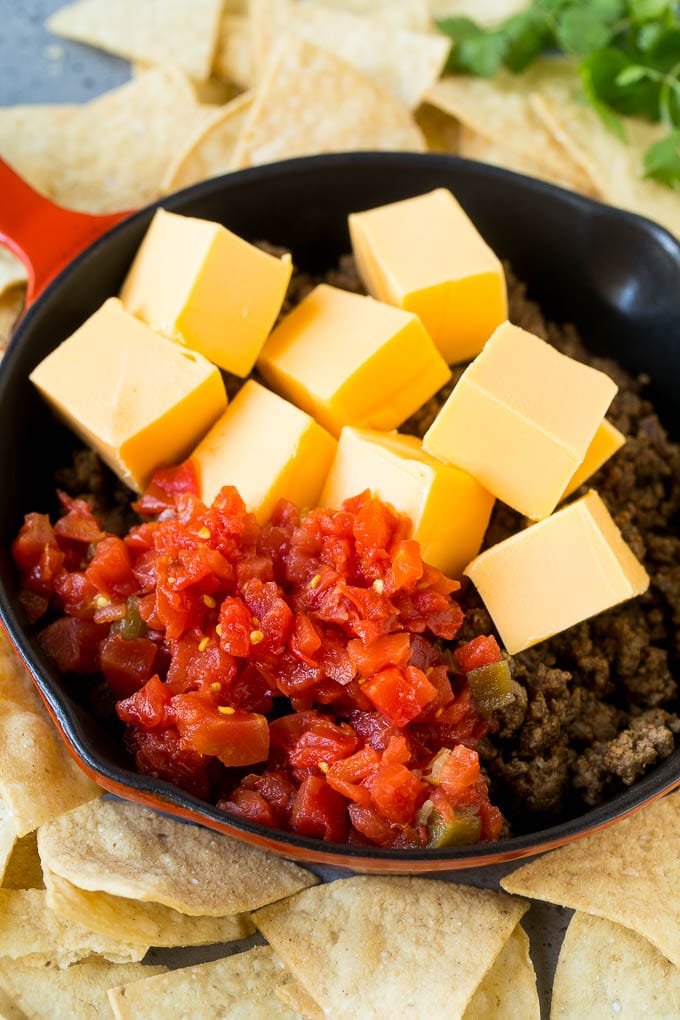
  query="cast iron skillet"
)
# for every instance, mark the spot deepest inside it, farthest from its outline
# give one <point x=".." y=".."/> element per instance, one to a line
<point x="615" y="275"/>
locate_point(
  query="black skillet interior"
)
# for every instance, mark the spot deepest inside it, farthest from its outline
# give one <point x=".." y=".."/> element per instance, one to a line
<point x="616" y="276"/>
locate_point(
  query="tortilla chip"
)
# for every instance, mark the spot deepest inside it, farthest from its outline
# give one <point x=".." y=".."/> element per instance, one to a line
<point x="606" y="970"/>
<point x="234" y="58"/>
<point x="295" y="995"/>
<point x="78" y="993"/>
<point x="179" y="32"/>
<point x="411" y="15"/>
<point x="152" y="923"/>
<point x="296" y="110"/>
<point x="210" y="990"/>
<point x="614" y="166"/>
<point x="30" y="140"/>
<point x="193" y="870"/>
<point x="499" y="109"/>
<point x="211" y="92"/>
<point x="361" y="946"/>
<point x="11" y="305"/>
<point x="101" y="156"/>
<point x="442" y="133"/>
<point x="210" y="151"/>
<point x="12" y="271"/>
<point x="485" y="12"/>
<point x="405" y="64"/>
<point x="8" y="836"/>
<point x="476" y="146"/>
<point x="30" y="930"/>
<point x="508" y="990"/>
<point x="628" y="873"/>
<point x="23" y="869"/>
<point x="8" y="1008"/>
<point x="38" y="778"/>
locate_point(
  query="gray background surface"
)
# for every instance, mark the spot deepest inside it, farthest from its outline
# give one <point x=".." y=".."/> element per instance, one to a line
<point x="36" y="67"/>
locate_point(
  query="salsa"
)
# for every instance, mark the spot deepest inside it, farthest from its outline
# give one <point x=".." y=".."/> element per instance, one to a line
<point x="292" y="673"/>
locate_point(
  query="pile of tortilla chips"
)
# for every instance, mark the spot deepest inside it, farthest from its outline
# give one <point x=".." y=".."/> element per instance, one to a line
<point x="223" y="84"/>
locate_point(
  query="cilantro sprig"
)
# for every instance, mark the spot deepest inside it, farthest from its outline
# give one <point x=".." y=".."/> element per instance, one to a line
<point x="629" y="60"/>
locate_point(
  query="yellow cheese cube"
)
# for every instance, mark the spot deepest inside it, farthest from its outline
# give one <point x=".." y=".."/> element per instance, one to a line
<point x="268" y="449"/>
<point x="350" y="360"/>
<point x="196" y="282"/>
<point x="450" y="510"/>
<point x="606" y="441"/>
<point x="521" y="419"/>
<point x="425" y="255"/>
<point x="137" y="399"/>
<point x="556" y="573"/>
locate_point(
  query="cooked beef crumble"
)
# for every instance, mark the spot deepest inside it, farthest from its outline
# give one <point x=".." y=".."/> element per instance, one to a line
<point x="596" y="705"/>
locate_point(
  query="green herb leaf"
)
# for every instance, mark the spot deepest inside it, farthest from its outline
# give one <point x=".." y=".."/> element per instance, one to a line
<point x="602" y="73"/>
<point x="662" y="160"/>
<point x="649" y="10"/>
<point x="526" y="35"/>
<point x="474" y="50"/>
<point x="582" y="30"/>
<point x="632" y="74"/>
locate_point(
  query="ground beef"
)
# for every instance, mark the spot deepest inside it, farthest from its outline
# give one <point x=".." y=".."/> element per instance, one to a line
<point x="596" y="705"/>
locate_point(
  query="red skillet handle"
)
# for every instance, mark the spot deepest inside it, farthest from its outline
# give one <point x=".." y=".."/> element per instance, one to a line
<point x="43" y="235"/>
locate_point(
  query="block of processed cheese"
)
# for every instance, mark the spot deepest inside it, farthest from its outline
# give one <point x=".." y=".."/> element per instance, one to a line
<point x="450" y="510"/>
<point x="198" y="283"/>
<point x="521" y="419"/>
<point x="349" y="360"/>
<point x="425" y="255"/>
<point x="268" y="448"/>
<point x="556" y="573"/>
<point x="606" y="441"/>
<point x="139" y="400"/>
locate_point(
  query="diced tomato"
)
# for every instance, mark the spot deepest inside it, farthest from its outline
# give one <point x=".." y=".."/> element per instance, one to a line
<point x="319" y="811"/>
<point x="110" y="569"/>
<point x="148" y="707"/>
<point x="127" y="663"/>
<point x="459" y="771"/>
<point x="165" y="484"/>
<point x="73" y="644"/>
<point x="371" y="824"/>
<point x="248" y="804"/>
<point x="390" y="650"/>
<point x="324" y="742"/>
<point x="159" y="753"/>
<point x="407" y="565"/>
<point x="396" y="792"/>
<point x="232" y="735"/>
<point x="35" y="535"/>
<point x="400" y="695"/>
<point x="481" y="651"/>
<point x="236" y="626"/>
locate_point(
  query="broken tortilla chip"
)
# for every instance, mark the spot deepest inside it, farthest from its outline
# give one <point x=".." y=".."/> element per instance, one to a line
<point x="187" y="867"/>
<point x="38" y="778"/>
<point x="442" y="132"/>
<point x="234" y="58"/>
<point x="221" y="988"/>
<point x="499" y="110"/>
<point x="295" y="995"/>
<point x="404" y="64"/>
<point x="151" y="923"/>
<point x="179" y="32"/>
<point x="23" y="869"/>
<point x="509" y="989"/>
<point x="210" y="151"/>
<point x="605" y="970"/>
<point x="11" y="305"/>
<point x="31" y="931"/>
<point x="360" y="946"/>
<point x="8" y="836"/>
<point x="296" y="110"/>
<point x="78" y="993"/>
<point x="472" y="145"/>
<point x="12" y="271"/>
<point x="614" y="166"/>
<point x="628" y="873"/>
